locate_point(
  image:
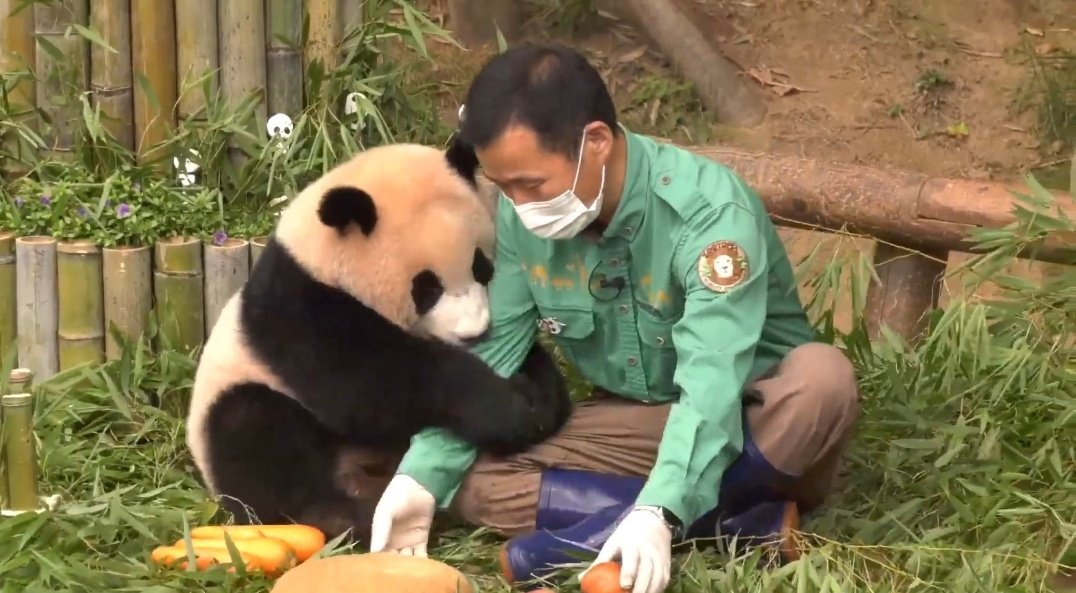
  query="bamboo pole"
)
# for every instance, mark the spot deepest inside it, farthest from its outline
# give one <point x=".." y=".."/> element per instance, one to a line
<point x="21" y="459"/>
<point x="153" y="58"/>
<point x="178" y="286"/>
<point x="8" y="324"/>
<point x="284" y="60"/>
<point x="475" y="22"/>
<point x="352" y="15"/>
<point x="908" y="288"/>
<point x="17" y="55"/>
<point x="19" y="381"/>
<point x="35" y="281"/>
<point x="80" y="332"/>
<point x="196" y="53"/>
<point x="127" y="278"/>
<point x="257" y="245"/>
<point x="110" y="72"/>
<point x="60" y="80"/>
<point x="227" y="268"/>
<point x="323" y="39"/>
<point x="242" y="60"/>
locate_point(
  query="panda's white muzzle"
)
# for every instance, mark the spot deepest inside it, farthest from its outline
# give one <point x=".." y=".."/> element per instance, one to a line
<point x="460" y="317"/>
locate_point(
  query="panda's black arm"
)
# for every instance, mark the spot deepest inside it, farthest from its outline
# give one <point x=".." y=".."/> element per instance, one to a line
<point x="494" y="414"/>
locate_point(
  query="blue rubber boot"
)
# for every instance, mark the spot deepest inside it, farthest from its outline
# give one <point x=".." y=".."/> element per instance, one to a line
<point x="769" y="524"/>
<point x="538" y="553"/>
<point x="568" y="496"/>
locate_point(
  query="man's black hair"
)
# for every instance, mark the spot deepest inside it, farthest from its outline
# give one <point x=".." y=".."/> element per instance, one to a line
<point x="551" y="89"/>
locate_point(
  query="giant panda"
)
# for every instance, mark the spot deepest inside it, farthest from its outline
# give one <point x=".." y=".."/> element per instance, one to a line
<point x="351" y="335"/>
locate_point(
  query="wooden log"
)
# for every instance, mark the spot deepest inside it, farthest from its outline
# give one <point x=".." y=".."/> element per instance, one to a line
<point x="284" y="58"/>
<point x="60" y="81"/>
<point x="323" y="39"/>
<point x="19" y="454"/>
<point x="717" y="80"/>
<point x="110" y="72"/>
<point x="257" y="245"/>
<point x="35" y="271"/>
<point x="196" y="54"/>
<point x="352" y="16"/>
<point x="227" y="268"/>
<point x="475" y="22"/>
<point x="127" y="276"/>
<point x="241" y="38"/>
<point x="17" y="55"/>
<point x="909" y="286"/>
<point x="8" y="324"/>
<point x="153" y="49"/>
<point x="178" y="287"/>
<point x="80" y="297"/>
<point x="932" y="215"/>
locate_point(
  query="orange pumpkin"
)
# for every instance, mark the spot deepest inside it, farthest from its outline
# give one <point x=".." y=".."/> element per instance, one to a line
<point x="602" y="578"/>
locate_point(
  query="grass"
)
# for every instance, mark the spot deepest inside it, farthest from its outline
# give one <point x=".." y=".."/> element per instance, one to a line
<point x="960" y="479"/>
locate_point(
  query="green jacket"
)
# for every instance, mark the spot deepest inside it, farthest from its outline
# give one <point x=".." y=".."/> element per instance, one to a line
<point x="707" y="303"/>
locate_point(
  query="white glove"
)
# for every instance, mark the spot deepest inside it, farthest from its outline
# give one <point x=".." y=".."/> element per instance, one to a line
<point x="643" y="543"/>
<point x="402" y="518"/>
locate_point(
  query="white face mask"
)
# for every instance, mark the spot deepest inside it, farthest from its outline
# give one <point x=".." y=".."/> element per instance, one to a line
<point x="564" y="216"/>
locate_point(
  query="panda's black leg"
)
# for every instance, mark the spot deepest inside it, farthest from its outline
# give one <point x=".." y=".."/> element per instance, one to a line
<point x="272" y="462"/>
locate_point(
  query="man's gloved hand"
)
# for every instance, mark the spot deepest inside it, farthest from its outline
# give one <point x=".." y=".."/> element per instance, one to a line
<point x="402" y="518"/>
<point x="643" y="543"/>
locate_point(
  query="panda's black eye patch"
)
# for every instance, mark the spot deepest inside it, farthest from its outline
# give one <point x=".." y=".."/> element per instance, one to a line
<point x="481" y="268"/>
<point x="426" y="290"/>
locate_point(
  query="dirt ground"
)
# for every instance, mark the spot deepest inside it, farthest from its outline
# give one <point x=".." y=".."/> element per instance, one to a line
<point x="931" y="86"/>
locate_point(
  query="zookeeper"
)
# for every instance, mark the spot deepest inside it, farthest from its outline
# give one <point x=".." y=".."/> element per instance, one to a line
<point x="660" y="275"/>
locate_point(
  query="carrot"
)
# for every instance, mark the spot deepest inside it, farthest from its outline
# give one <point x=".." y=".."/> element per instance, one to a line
<point x="270" y="555"/>
<point x="303" y="539"/>
<point x="171" y="556"/>
<point x="603" y="578"/>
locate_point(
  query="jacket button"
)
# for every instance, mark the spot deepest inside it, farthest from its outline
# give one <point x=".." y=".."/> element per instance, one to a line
<point x="665" y="179"/>
<point x="632" y="361"/>
<point x="623" y="308"/>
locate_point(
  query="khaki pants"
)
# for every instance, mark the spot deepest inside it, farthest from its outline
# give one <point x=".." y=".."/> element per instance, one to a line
<point x="810" y="405"/>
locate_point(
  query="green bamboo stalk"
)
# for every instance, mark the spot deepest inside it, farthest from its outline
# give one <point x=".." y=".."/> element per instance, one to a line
<point x="19" y="381"/>
<point x="178" y="286"/>
<point x="153" y="56"/>
<point x="257" y="245"/>
<point x="110" y="72"/>
<point x="19" y="451"/>
<point x="127" y="276"/>
<point x="227" y="268"/>
<point x="17" y="55"/>
<point x="35" y="297"/>
<point x="284" y="60"/>
<point x="8" y="326"/>
<point x="196" y="53"/>
<point x="56" y="76"/>
<point x="80" y="334"/>
<point x="324" y="36"/>
<point x="242" y="44"/>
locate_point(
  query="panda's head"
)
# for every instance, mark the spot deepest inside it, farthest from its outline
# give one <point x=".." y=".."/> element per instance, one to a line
<point x="402" y="229"/>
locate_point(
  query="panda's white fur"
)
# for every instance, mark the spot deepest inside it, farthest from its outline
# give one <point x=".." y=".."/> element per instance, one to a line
<point x="354" y="255"/>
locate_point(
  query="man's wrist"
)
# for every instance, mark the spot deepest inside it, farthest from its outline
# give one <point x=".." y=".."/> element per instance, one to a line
<point x="670" y="519"/>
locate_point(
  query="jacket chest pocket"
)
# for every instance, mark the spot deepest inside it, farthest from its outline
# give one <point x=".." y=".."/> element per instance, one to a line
<point x="657" y="350"/>
<point x="571" y="329"/>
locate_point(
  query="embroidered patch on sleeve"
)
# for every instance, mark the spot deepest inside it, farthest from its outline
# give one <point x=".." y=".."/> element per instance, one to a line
<point x="722" y="266"/>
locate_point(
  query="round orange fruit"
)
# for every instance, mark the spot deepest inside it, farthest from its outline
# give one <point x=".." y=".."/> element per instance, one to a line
<point x="603" y="578"/>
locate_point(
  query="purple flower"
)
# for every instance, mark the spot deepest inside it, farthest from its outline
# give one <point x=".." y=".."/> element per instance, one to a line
<point x="219" y="238"/>
<point x="83" y="212"/>
<point x="45" y="200"/>
<point x="123" y="210"/>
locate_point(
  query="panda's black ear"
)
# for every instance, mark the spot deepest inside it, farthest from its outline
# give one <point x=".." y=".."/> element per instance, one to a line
<point x="462" y="158"/>
<point x="343" y="205"/>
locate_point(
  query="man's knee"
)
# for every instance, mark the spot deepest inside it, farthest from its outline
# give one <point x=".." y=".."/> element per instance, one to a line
<point x="498" y="497"/>
<point x="828" y="380"/>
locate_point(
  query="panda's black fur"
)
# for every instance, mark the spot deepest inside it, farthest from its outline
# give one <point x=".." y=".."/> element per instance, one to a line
<point x="361" y="388"/>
